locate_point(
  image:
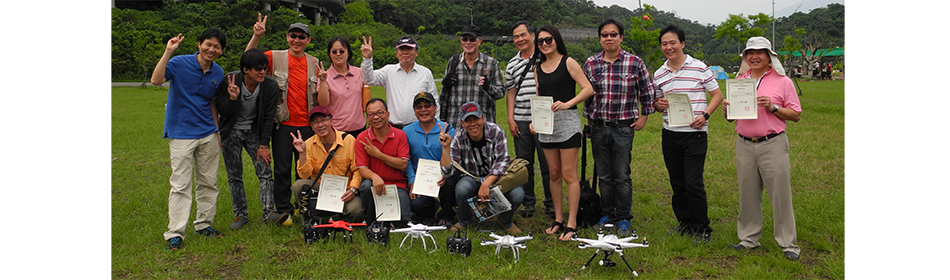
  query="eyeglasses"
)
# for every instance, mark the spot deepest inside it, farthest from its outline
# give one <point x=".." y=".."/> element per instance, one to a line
<point x="335" y="52"/>
<point x="258" y="68"/>
<point x="300" y="36"/>
<point x="611" y="35"/>
<point x="378" y="113"/>
<point x="423" y="106"/>
<point x="469" y="39"/>
<point x="545" y="40"/>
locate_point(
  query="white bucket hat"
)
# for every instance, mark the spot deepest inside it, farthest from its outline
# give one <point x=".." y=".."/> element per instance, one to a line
<point x="758" y="43"/>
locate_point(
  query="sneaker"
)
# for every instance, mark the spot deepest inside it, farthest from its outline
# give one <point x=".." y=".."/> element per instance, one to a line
<point x="549" y="210"/>
<point x="682" y="229"/>
<point x="791" y="255"/>
<point x="624" y="228"/>
<point x="174" y="243"/>
<point x="286" y="222"/>
<point x="603" y="221"/>
<point x="238" y="222"/>
<point x="513" y="230"/>
<point x="740" y="247"/>
<point x="527" y="211"/>
<point x="209" y="232"/>
<point x="278" y="218"/>
<point x="700" y="237"/>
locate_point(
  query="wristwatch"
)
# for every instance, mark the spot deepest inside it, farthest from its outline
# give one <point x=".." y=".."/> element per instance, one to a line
<point x="775" y="108"/>
<point x="706" y="115"/>
<point x="356" y="191"/>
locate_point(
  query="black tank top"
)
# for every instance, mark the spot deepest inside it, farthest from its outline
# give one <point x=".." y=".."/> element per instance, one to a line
<point x="559" y="84"/>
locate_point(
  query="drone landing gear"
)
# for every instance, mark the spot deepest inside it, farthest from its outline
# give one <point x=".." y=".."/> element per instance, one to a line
<point x="606" y="262"/>
<point x="423" y="241"/>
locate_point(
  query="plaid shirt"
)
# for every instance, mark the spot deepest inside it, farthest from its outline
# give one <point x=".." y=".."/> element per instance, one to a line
<point x="616" y="86"/>
<point x="461" y="151"/>
<point x="468" y="89"/>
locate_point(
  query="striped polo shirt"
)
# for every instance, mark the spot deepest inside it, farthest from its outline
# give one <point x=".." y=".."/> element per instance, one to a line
<point x="513" y="71"/>
<point x="694" y="79"/>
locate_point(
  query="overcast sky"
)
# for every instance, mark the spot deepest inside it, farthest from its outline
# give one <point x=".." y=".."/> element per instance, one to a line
<point x="715" y="12"/>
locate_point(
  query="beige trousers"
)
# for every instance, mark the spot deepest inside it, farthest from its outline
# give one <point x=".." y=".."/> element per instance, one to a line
<point x="198" y="158"/>
<point x="352" y="210"/>
<point x="765" y="163"/>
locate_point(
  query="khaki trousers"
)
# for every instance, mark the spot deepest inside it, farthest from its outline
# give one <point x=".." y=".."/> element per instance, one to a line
<point x="765" y="163"/>
<point x="198" y="158"/>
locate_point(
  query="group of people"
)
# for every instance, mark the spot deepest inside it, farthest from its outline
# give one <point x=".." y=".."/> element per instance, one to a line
<point x="284" y="107"/>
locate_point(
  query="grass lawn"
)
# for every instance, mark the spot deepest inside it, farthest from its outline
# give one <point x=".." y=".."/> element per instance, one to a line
<point x="140" y="171"/>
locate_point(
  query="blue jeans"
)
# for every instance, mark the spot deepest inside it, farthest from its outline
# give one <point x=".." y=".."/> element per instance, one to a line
<point x="467" y="187"/>
<point x="369" y="205"/>
<point x="611" y="147"/>
<point x="525" y="148"/>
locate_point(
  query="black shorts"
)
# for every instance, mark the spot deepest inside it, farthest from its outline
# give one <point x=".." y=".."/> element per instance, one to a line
<point x="573" y="142"/>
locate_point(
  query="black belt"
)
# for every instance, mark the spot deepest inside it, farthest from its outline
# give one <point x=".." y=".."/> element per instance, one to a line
<point x="620" y="123"/>
<point x="761" y="139"/>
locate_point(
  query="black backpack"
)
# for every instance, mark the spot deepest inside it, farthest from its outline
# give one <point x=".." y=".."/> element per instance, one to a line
<point x="588" y="212"/>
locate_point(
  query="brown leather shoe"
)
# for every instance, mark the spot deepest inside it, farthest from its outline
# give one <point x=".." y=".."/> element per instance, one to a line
<point x="456" y="227"/>
<point x="513" y="230"/>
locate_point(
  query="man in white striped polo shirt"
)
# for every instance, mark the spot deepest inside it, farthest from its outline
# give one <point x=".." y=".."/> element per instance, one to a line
<point x="684" y="147"/>
<point x="520" y="71"/>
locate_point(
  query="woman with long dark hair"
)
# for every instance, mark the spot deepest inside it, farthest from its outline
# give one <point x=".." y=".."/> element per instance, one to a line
<point x="556" y="76"/>
<point x="341" y="88"/>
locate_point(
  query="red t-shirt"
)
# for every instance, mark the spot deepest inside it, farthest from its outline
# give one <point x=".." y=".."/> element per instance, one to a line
<point x="296" y="88"/>
<point x="396" y="145"/>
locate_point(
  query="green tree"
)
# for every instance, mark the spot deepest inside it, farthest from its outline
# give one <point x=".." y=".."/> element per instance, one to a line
<point x="643" y="38"/>
<point x="740" y="28"/>
<point x="357" y="12"/>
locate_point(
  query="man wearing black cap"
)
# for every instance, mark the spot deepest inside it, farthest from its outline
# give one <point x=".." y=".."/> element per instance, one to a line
<point x="478" y="79"/>
<point x="423" y="137"/>
<point x="296" y="74"/>
<point x="402" y="81"/>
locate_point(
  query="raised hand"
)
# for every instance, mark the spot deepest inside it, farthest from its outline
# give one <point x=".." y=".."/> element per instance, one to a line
<point x="260" y="25"/>
<point x="173" y="43"/>
<point x="370" y="149"/>
<point x="321" y="72"/>
<point x="444" y="139"/>
<point x="367" y="47"/>
<point x="233" y="90"/>
<point x="298" y="142"/>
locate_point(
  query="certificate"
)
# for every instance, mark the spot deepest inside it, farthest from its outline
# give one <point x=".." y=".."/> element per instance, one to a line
<point x="542" y="118"/>
<point x="331" y="192"/>
<point x="741" y="96"/>
<point x="428" y="173"/>
<point x="387" y="206"/>
<point x="680" y="112"/>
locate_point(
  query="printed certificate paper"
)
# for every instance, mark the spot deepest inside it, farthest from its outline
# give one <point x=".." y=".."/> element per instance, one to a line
<point x="428" y="173"/>
<point x="741" y="96"/>
<point x="680" y="112"/>
<point x="542" y="118"/>
<point x="388" y="205"/>
<point x="332" y="188"/>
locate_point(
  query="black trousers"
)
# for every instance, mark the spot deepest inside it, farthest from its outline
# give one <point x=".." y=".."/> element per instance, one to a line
<point x="285" y="162"/>
<point x="685" y="157"/>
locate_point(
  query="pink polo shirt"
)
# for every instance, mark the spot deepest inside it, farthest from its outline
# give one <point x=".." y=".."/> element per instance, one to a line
<point x="782" y="93"/>
<point x="346" y="98"/>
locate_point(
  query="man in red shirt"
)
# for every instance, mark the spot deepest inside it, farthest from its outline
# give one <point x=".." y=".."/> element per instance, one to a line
<point x="382" y="158"/>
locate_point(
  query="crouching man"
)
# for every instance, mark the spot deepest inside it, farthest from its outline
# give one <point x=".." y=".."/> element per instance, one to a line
<point x="313" y="154"/>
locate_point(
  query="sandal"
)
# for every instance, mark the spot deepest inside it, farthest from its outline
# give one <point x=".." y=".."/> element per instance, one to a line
<point x="570" y="232"/>
<point x="559" y="225"/>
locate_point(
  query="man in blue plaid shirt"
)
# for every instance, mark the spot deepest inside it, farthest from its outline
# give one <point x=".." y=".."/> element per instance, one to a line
<point x="623" y="97"/>
<point x="479" y="80"/>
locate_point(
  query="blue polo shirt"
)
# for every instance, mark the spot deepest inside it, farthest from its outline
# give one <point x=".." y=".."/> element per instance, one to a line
<point x="188" y="109"/>
<point x="423" y="144"/>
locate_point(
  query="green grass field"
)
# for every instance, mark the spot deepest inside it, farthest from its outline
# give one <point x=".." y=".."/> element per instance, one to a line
<point x="140" y="171"/>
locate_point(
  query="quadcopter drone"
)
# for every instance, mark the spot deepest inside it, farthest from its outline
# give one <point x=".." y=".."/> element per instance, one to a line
<point x="316" y="232"/>
<point x="418" y="231"/>
<point x="609" y="244"/>
<point x="507" y="241"/>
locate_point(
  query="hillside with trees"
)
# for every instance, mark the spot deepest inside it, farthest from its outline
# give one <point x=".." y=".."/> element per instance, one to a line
<point x="139" y="36"/>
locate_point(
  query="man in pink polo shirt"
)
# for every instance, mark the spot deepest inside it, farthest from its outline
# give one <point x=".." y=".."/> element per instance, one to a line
<point x="762" y="150"/>
<point x="382" y="158"/>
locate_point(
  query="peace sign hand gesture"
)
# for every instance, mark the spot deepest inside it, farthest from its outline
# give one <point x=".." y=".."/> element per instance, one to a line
<point x="233" y="90"/>
<point x="173" y="43"/>
<point x="321" y="72"/>
<point x="367" y="47"/>
<point x="298" y="142"/>
<point x="444" y="139"/>
<point x="259" y="26"/>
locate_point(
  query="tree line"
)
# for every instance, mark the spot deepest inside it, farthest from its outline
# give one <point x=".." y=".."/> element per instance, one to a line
<point x="139" y="36"/>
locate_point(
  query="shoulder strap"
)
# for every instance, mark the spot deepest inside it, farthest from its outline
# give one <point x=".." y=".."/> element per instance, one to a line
<point x="459" y="167"/>
<point x="455" y="63"/>
<point x="524" y="73"/>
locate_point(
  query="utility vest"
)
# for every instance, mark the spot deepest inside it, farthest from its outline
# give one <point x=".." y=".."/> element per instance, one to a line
<point x="282" y="75"/>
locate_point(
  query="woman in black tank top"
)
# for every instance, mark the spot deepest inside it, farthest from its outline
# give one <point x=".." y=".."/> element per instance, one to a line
<point x="556" y="76"/>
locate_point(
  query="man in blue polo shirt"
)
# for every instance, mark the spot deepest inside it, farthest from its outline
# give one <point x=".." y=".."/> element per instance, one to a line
<point x="423" y="137"/>
<point x="191" y="127"/>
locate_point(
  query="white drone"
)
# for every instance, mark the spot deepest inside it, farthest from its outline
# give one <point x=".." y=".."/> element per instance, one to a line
<point x="507" y="241"/>
<point x="609" y="244"/>
<point x="418" y="231"/>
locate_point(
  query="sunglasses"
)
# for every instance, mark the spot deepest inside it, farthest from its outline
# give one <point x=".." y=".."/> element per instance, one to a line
<point x="335" y="52"/>
<point x="545" y="40"/>
<point x="423" y="106"/>
<point x="469" y="39"/>
<point x="257" y="68"/>
<point x="301" y="36"/>
<point x="611" y="35"/>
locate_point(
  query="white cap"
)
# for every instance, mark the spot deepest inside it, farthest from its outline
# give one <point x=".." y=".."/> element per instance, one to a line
<point x="759" y="43"/>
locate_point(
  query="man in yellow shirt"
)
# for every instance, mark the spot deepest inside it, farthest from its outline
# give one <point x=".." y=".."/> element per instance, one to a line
<point x="314" y="152"/>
